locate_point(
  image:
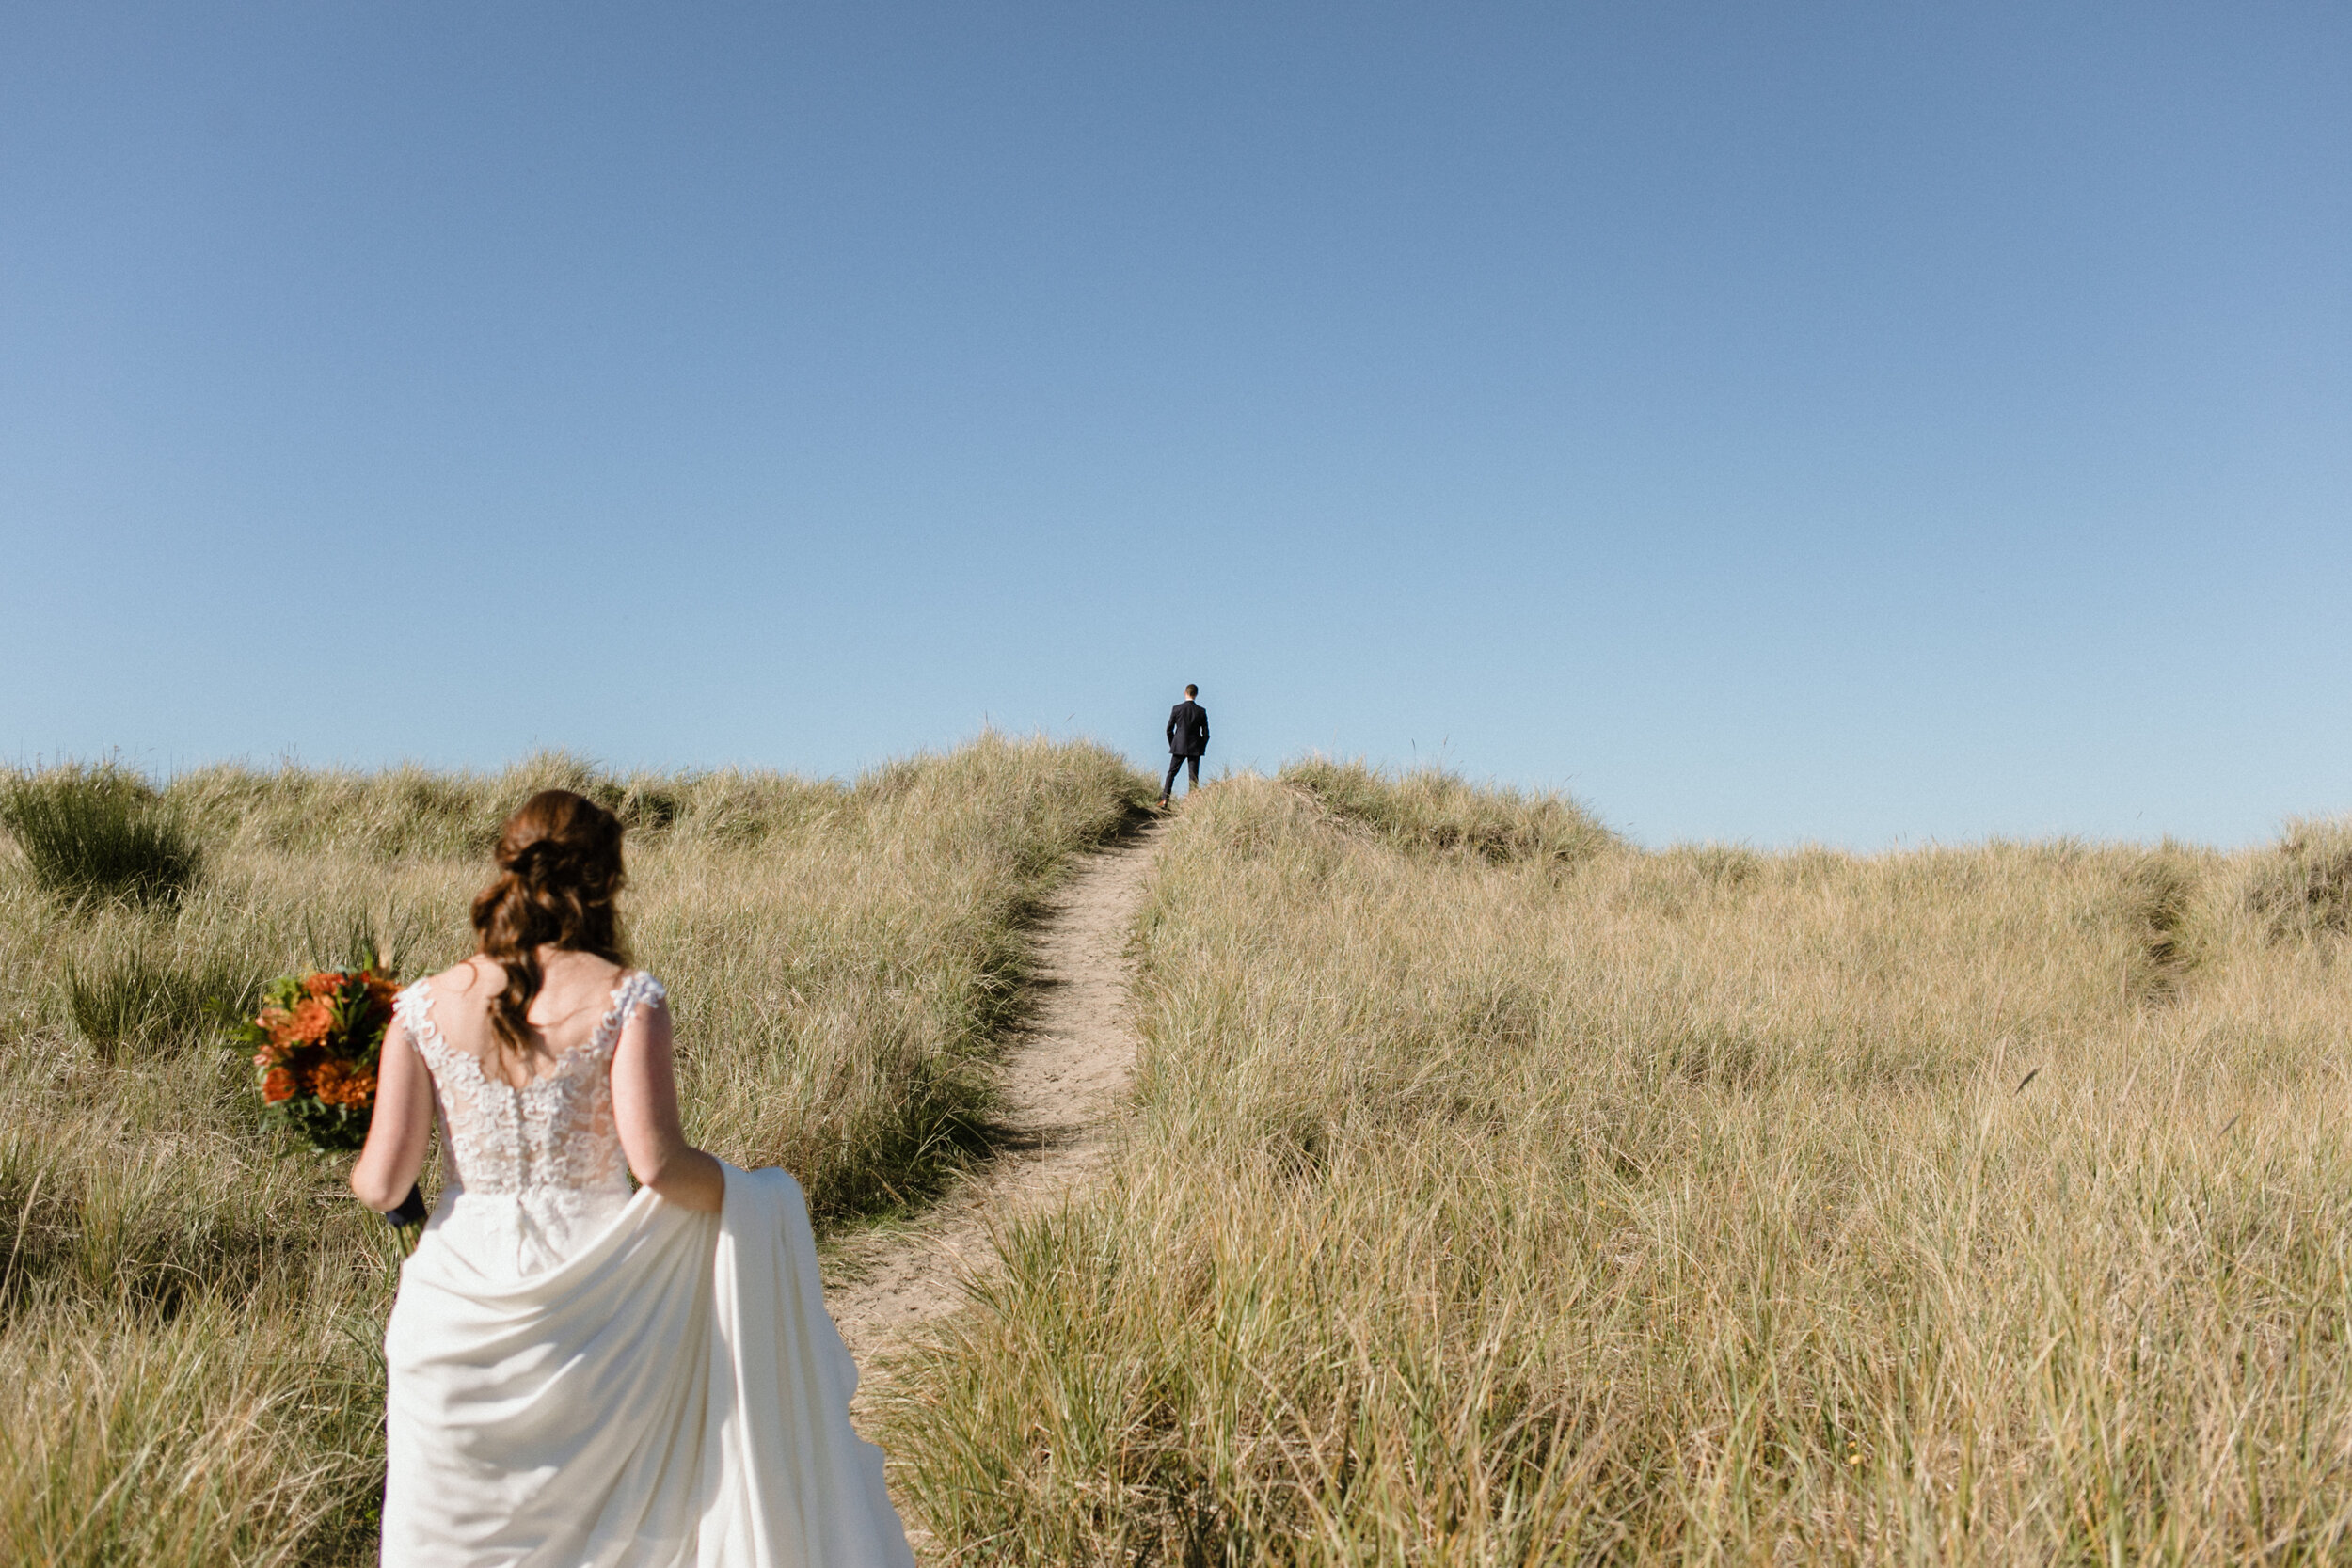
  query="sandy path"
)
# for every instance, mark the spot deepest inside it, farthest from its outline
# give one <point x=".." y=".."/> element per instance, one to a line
<point x="1063" y="1079"/>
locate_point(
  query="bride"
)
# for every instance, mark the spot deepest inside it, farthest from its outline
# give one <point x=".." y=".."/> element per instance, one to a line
<point x="579" y="1373"/>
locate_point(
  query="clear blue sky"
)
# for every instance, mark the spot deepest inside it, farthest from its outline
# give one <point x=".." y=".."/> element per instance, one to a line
<point x="1865" y="422"/>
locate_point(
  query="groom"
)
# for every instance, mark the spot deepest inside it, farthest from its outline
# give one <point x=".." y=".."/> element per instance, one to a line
<point x="1187" y="738"/>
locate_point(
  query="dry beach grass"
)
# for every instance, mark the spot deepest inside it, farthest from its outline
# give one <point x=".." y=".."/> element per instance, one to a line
<point x="1497" y="1193"/>
<point x="1493" y="1192"/>
<point x="189" y="1315"/>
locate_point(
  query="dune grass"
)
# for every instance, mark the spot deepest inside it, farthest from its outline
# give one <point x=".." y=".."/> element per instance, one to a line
<point x="191" y="1315"/>
<point x="2305" y="887"/>
<point x="99" y="834"/>
<point x="145" y="995"/>
<point x="1435" y="812"/>
<point x="1497" y="1192"/>
<point x="1488" y="1205"/>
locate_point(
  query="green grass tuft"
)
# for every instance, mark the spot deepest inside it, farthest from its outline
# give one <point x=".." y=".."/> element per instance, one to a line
<point x="143" y="998"/>
<point x="100" y="834"/>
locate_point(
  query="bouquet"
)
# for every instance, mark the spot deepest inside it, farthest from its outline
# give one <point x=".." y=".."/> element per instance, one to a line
<point x="316" y="1043"/>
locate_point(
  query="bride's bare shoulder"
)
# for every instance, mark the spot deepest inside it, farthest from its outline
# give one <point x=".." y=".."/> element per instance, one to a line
<point x="476" y="973"/>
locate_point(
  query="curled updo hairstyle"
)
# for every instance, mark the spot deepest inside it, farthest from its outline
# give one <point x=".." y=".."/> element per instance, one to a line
<point x="559" y="873"/>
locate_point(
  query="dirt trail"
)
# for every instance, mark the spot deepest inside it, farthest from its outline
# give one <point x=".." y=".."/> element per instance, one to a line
<point x="1062" y="1081"/>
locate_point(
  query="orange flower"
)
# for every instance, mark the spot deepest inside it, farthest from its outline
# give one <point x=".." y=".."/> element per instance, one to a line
<point x="312" y="1020"/>
<point x="277" y="1086"/>
<point x="337" y="1084"/>
<point x="324" y="983"/>
<point x="279" y="1024"/>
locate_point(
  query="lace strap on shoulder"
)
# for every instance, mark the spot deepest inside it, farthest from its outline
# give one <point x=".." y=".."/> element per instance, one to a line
<point x="637" y="990"/>
<point x="411" y="1005"/>
<point x="413" y="1008"/>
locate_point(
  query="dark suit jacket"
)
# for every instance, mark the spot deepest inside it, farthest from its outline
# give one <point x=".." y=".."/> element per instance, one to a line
<point x="1188" y="730"/>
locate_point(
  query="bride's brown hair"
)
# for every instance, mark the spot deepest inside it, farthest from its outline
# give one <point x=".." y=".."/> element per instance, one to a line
<point x="559" y="875"/>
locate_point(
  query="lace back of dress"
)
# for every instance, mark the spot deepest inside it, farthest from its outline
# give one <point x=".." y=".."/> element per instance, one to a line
<point x="554" y="1133"/>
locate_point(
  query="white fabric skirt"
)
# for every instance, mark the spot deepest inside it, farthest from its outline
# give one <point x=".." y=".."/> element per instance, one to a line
<point x="672" y="1394"/>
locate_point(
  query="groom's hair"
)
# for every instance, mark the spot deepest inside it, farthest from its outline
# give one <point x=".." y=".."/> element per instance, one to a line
<point x="559" y="877"/>
<point x="1192" y="692"/>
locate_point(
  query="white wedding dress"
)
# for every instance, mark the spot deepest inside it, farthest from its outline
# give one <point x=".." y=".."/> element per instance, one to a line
<point x="580" y="1375"/>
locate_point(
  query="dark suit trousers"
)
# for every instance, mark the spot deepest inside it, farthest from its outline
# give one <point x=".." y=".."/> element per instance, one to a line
<point x="1191" y="783"/>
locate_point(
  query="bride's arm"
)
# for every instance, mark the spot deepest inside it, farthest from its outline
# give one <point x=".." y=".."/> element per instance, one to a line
<point x="644" y="1110"/>
<point x="397" y="1133"/>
